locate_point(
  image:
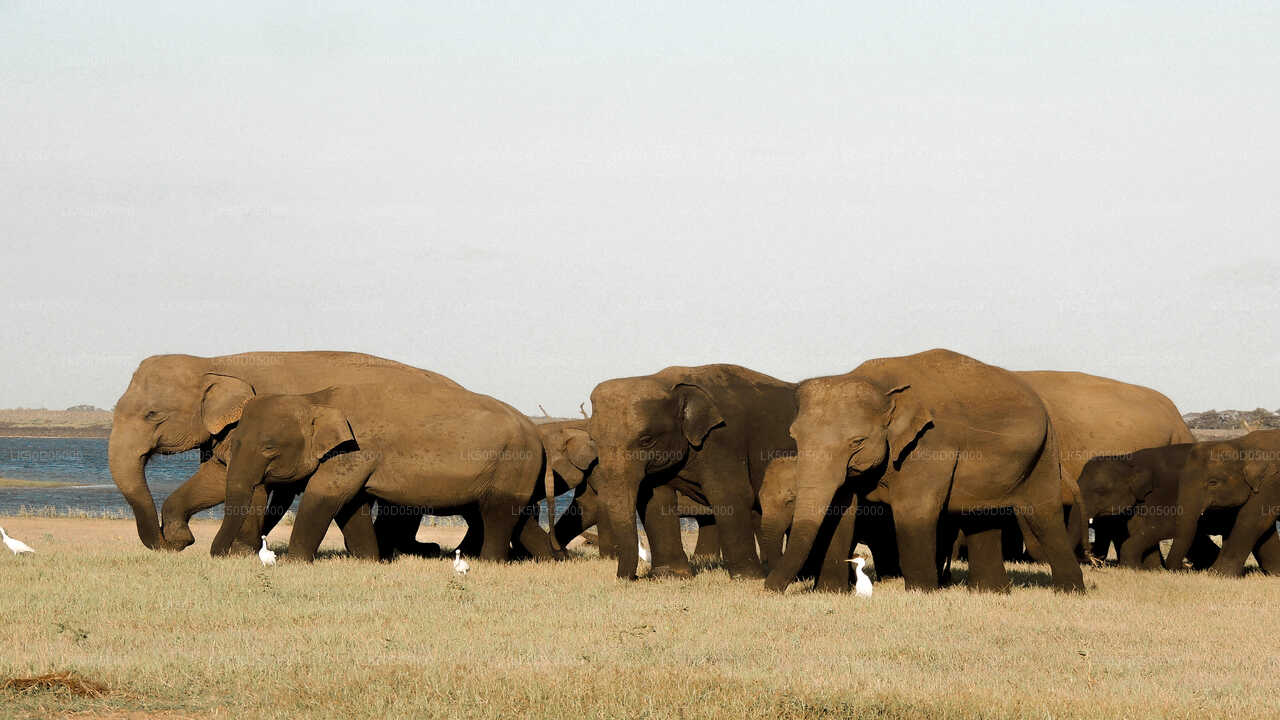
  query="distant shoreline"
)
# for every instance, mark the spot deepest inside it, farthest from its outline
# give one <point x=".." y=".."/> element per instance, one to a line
<point x="54" y="433"/>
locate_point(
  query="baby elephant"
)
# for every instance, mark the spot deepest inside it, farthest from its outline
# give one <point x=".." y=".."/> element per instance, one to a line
<point x="437" y="447"/>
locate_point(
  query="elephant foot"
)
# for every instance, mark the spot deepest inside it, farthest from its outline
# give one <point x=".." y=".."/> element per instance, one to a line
<point x="177" y="537"/>
<point x="668" y="571"/>
<point x="1224" y="570"/>
<point x="422" y="550"/>
<point x="748" y="573"/>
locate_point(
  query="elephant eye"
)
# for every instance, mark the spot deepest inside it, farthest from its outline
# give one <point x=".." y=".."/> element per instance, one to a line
<point x="154" y="416"/>
<point x="647" y="441"/>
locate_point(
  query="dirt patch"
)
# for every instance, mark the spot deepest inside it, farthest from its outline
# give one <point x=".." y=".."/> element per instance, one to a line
<point x="63" y="682"/>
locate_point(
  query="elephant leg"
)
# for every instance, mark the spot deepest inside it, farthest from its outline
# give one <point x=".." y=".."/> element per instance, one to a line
<point x="1110" y="530"/>
<point x="355" y="520"/>
<point x="334" y="484"/>
<point x="1137" y="547"/>
<point x="396" y="528"/>
<point x="986" y="561"/>
<point x="576" y="519"/>
<point x="878" y="537"/>
<point x="1267" y="551"/>
<point x="1251" y="523"/>
<point x="533" y="539"/>
<point x="916" y="528"/>
<point x="1013" y="540"/>
<point x="499" y="520"/>
<point x="834" y="574"/>
<point x="1034" y="549"/>
<point x="1044" y="523"/>
<point x="731" y="500"/>
<point x="662" y="527"/>
<point x="708" y="546"/>
<point x="950" y="540"/>
<point x="203" y="490"/>
<point x="473" y="541"/>
<point x="279" y="501"/>
<point x="1203" y="552"/>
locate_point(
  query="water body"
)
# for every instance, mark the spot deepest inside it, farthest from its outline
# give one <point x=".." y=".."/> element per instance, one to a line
<point x="83" y="461"/>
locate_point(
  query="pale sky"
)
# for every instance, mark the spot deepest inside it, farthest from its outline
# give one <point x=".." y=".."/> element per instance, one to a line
<point x="534" y="197"/>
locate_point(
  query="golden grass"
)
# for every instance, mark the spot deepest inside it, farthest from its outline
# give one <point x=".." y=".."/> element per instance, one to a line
<point x="16" y="483"/>
<point x="185" y="634"/>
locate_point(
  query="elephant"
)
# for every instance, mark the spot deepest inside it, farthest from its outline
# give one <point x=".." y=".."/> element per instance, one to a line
<point x="1138" y="493"/>
<point x="176" y="403"/>
<point x="413" y="442"/>
<point x="707" y="431"/>
<point x="1242" y="474"/>
<point x="943" y="439"/>
<point x="1095" y="416"/>
<point x="571" y="456"/>
<point x="873" y="528"/>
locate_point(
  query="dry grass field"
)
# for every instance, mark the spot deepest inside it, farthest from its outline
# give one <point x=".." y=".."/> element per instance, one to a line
<point x="164" y="635"/>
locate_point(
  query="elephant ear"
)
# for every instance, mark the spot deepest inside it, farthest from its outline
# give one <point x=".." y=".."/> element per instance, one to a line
<point x="1141" y="483"/>
<point x="1257" y="472"/>
<point x="580" y="449"/>
<point x="697" y="412"/>
<point x="329" y="429"/>
<point x="223" y="401"/>
<point x="907" y="421"/>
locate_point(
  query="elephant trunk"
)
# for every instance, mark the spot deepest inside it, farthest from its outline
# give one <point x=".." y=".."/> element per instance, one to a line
<point x="549" y="482"/>
<point x="773" y="525"/>
<point x="618" y="493"/>
<point x="243" y="475"/>
<point x="816" y="484"/>
<point x="577" y="518"/>
<point x="1190" y="506"/>
<point x="127" y="453"/>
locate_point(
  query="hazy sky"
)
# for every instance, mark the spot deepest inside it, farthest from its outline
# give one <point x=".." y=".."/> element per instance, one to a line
<point x="534" y="197"/>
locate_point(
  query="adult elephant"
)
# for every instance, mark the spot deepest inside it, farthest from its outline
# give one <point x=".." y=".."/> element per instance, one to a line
<point x="942" y="438"/>
<point x="176" y="403"/>
<point x="571" y="457"/>
<point x="413" y="442"/>
<point x="1242" y="474"/>
<point x="1095" y="416"/>
<point x="873" y="527"/>
<point x="1138" y="492"/>
<point x="708" y="431"/>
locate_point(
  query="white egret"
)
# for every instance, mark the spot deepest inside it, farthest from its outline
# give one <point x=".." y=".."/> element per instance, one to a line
<point x="266" y="556"/>
<point x="17" y="547"/>
<point x="459" y="565"/>
<point x="861" y="588"/>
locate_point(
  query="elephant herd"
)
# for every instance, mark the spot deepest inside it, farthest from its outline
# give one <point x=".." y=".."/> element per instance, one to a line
<point x="920" y="458"/>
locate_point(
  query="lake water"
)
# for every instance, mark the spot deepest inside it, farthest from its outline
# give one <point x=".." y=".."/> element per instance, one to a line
<point x="84" y="461"/>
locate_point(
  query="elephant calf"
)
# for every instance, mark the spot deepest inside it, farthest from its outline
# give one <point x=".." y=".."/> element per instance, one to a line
<point x="571" y="458"/>
<point x="409" y="442"/>
<point x="1133" y="498"/>
<point x="1241" y="475"/>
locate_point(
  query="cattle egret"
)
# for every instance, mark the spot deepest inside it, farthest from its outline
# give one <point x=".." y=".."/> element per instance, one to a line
<point x="459" y="565"/>
<point x="266" y="556"/>
<point x="17" y="547"/>
<point x="861" y="588"/>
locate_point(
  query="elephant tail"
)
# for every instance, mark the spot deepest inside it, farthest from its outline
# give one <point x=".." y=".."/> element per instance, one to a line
<point x="1078" y="522"/>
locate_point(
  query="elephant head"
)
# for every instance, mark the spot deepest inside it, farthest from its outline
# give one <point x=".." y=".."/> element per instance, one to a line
<point x="846" y="426"/>
<point x="280" y="438"/>
<point x="570" y="457"/>
<point x="1111" y="485"/>
<point x="1216" y="475"/>
<point x="642" y="426"/>
<point x="173" y="404"/>
<point x="777" y="498"/>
